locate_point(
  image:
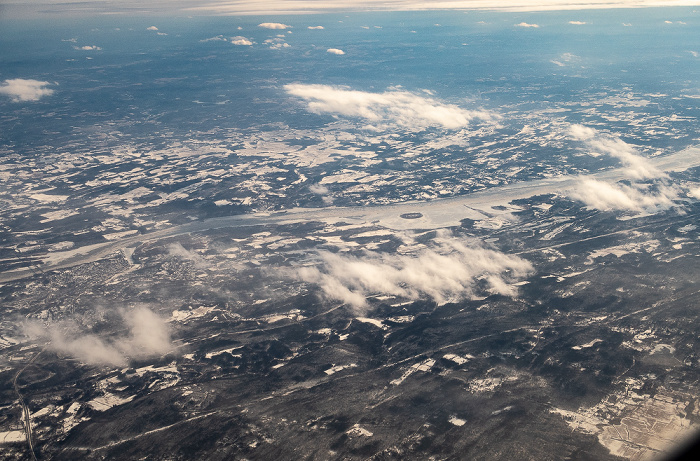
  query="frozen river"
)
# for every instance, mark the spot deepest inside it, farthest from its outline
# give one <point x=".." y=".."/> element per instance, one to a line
<point x="433" y="214"/>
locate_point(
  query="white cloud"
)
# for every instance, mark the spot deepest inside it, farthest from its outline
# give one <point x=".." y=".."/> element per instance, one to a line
<point x="276" y="43"/>
<point x="566" y="58"/>
<point x="87" y="48"/>
<point x="218" y="38"/>
<point x="636" y="197"/>
<point x="656" y="193"/>
<point x="637" y="166"/>
<point x="319" y="189"/>
<point x="695" y="193"/>
<point x="335" y="51"/>
<point x="273" y="25"/>
<point x="524" y="24"/>
<point x="577" y="23"/>
<point x="148" y="336"/>
<point x="176" y="250"/>
<point x="315" y="27"/>
<point x="152" y="28"/>
<point x="322" y="190"/>
<point x="392" y="107"/>
<point x="19" y="89"/>
<point x="239" y="40"/>
<point x="451" y="269"/>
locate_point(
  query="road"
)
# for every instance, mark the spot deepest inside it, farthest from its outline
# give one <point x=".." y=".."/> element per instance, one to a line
<point x="25" y="409"/>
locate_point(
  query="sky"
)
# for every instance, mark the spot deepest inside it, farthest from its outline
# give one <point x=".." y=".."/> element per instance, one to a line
<point x="248" y="7"/>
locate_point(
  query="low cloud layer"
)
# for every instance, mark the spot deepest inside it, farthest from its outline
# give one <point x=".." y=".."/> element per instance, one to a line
<point x="451" y="269"/>
<point x="390" y="108"/>
<point x="148" y="336"/>
<point x="19" y="89"/>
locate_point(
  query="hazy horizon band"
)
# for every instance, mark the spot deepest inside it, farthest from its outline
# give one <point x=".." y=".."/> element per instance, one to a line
<point x="293" y="7"/>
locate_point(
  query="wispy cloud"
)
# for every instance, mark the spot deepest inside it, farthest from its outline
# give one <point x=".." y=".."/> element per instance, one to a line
<point x="648" y="190"/>
<point x="315" y="27"/>
<point x="566" y="59"/>
<point x="152" y="28"/>
<point x="577" y="23"/>
<point x="148" y="336"/>
<point x="524" y="24"/>
<point x="218" y="38"/>
<point x="176" y="250"/>
<point x="392" y="107"/>
<point x="335" y="51"/>
<point x="635" y="197"/>
<point x="273" y="25"/>
<point x="637" y="166"/>
<point x="451" y="269"/>
<point x="20" y="89"/>
<point x="87" y="48"/>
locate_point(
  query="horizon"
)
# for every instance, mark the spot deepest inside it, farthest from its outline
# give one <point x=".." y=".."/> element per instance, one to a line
<point x="87" y="8"/>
